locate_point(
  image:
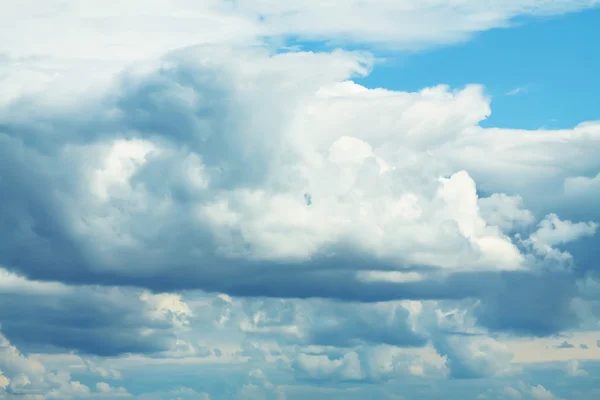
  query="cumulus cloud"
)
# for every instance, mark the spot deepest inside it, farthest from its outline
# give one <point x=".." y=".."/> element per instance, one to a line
<point x="468" y="352"/>
<point x="541" y="393"/>
<point x="574" y="369"/>
<point x="112" y="392"/>
<point x="326" y="323"/>
<point x="474" y="357"/>
<point x="506" y="212"/>
<point x="24" y="377"/>
<point x="527" y="391"/>
<point x="552" y="231"/>
<point x="320" y="366"/>
<point x="353" y="234"/>
<point x="232" y="194"/>
<point x="178" y="179"/>
<point x="376" y="364"/>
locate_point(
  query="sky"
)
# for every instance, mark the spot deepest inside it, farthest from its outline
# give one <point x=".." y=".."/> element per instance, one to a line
<point x="260" y="199"/>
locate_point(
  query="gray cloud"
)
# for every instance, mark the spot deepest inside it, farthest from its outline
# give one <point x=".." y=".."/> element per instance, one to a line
<point x="105" y="322"/>
<point x="565" y="345"/>
<point x="176" y="179"/>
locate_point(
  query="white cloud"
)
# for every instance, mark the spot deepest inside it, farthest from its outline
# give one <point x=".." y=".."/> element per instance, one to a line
<point x="95" y="367"/>
<point x="322" y="367"/>
<point x="14" y="364"/>
<point x="517" y="91"/>
<point x="460" y="195"/>
<point x="581" y="184"/>
<point x="552" y="231"/>
<point x="527" y="391"/>
<point x="389" y="276"/>
<point x="169" y="307"/>
<point x="392" y="176"/>
<point x="109" y="391"/>
<point x="541" y="393"/>
<point x="468" y="351"/>
<point x="365" y="364"/>
<point x="506" y="212"/>
<point x="120" y="30"/>
<point x="574" y="369"/>
<point x="66" y="388"/>
<point x="11" y="283"/>
<point x="25" y="377"/>
<point x="328" y="323"/>
<point x="229" y="168"/>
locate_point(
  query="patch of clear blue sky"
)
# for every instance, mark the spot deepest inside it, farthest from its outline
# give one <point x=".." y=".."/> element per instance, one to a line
<point x="555" y="61"/>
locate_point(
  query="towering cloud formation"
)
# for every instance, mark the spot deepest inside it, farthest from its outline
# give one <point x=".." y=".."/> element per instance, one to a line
<point x="251" y="210"/>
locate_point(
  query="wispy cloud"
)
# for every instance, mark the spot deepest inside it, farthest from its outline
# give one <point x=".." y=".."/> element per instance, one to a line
<point x="517" y="91"/>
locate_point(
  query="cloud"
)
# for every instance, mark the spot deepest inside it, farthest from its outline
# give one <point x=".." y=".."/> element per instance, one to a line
<point x="541" y="393"/>
<point x="184" y="180"/>
<point x="258" y="215"/>
<point x="469" y="353"/>
<point x="573" y="369"/>
<point x="4" y="381"/>
<point x="221" y="204"/>
<point x="327" y="323"/>
<point x="513" y="304"/>
<point x="565" y="345"/>
<point x="517" y="91"/>
<point x="115" y="31"/>
<point x="24" y="377"/>
<point x="474" y="357"/>
<point x="552" y="231"/>
<point x="581" y="184"/>
<point x="377" y="364"/>
<point x="526" y="391"/>
<point x="12" y="283"/>
<point x="112" y="392"/>
<point x="322" y="367"/>
<point x="93" y="320"/>
<point x="505" y="212"/>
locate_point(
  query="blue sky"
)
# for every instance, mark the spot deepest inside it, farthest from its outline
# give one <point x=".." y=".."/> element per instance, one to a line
<point x="156" y="241"/>
<point x="539" y="72"/>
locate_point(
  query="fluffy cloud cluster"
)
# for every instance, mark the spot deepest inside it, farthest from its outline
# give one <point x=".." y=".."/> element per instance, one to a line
<point x="181" y="164"/>
<point x="522" y="391"/>
<point x="276" y="176"/>
<point x="23" y="377"/>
